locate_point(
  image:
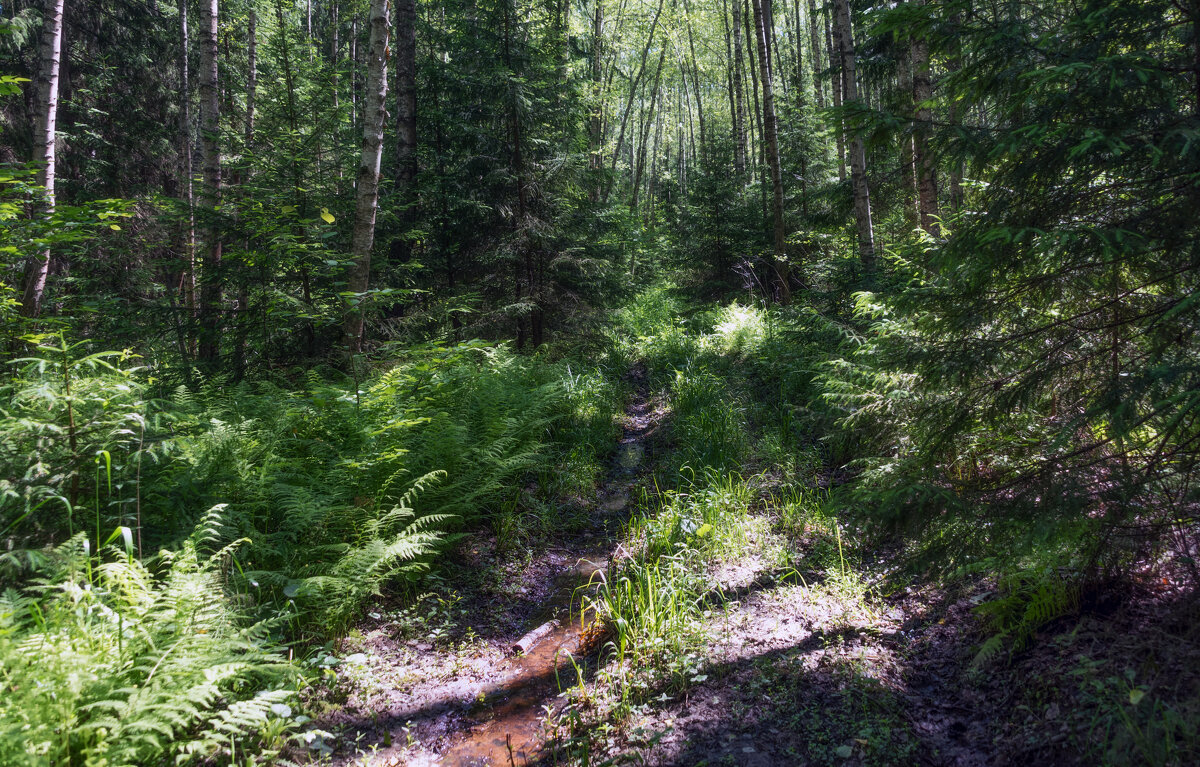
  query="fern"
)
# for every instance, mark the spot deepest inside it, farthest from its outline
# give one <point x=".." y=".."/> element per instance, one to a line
<point x="122" y="665"/>
<point x="1029" y="600"/>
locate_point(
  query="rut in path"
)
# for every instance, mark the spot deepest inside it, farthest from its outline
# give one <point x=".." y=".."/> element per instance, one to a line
<point x="510" y="728"/>
<point x="430" y="699"/>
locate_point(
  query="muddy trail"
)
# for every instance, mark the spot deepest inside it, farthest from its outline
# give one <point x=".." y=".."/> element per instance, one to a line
<point x="472" y="684"/>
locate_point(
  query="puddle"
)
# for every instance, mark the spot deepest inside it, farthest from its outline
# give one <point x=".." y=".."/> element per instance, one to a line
<point x="507" y="719"/>
<point x="512" y="713"/>
<point x="616" y="502"/>
<point x="629" y="455"/>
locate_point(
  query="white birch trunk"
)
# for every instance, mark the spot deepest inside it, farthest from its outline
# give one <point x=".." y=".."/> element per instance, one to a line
<point x="38" y="268"/>
<point x="367" y="188"/>
<point x="210" y="150"/>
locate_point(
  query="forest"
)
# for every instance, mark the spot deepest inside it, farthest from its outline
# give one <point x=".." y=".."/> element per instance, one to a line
<point x="599" y="382"/>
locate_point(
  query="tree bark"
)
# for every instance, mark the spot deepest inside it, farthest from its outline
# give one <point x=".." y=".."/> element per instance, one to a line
<point x="922" y="157"/>
<point x="406" y="93"/>
<point x="367" y="188"/>
<point x="210" y="150"/>
<point x="596" y="121"/>
<point x="740" y="116"/>
<point x="185" y="149"/>
<point x="244" y="315"/>
<point x="252" y="76"/>
<point x="687" y="9"/>
<point x="815" y="46"/>
<point x="771" y="137"/>
<point x="953" y="64"/>
<point x="729" y="77"/>
<point x="756" y="119"/>
<point x="837" y="81"/>
<point x="858" y="158"/>
<point x="908" y="165"/>
<point x="800" y="70"/>
<point x="44" y="140"/>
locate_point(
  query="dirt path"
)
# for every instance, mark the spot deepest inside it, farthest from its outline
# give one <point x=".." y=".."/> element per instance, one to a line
<point x="441" y="682"/>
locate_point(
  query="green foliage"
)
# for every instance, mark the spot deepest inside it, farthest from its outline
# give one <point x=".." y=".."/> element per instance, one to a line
<point x="1028" y="600"/>
<point x="1028" y="381"/>
<point x="325" y="495"/>
<point x="111" y="660"/>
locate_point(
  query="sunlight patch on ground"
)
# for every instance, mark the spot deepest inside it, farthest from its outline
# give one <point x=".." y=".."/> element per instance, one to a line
<point x="740" y="329"/>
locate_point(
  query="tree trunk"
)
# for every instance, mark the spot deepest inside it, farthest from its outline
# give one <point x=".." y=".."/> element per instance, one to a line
<point x="367" y="188"/>
<point x="815" y="46"/>
<point x="406" y="122"/>
<point x="729" y="77"/>
<point x="687" y="9"/>
<point x="740" y="116"/>
<point x="406" y="93"/>
<point x="858" y="157"/>
<point x="517" y="166"/>
<point x="633" y="91"/>
<point x="837" y="81"/>
<point x="644" y="139"/>
<point x="596" y="121"/>
<point x="354" y="71"/>
<point x="756" y="119"/>
<point x="922" y="157"/>
<point x="244" y="315"/>
<point x="953" y="64"/>
<point x="771" y="139"/>
<point x="50" y="54"/>
<point x="800" y="69"/>
<point x="908" y="166"/>
<point x="185" y="139"/>
<point x="210" y="150"/>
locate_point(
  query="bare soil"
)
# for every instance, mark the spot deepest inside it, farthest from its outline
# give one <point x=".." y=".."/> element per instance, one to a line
<point x="796" y="670"/>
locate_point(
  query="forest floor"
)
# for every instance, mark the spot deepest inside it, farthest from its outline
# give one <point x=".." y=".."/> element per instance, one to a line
<point x="797" y="648"/>
<point x="425" y="679"/>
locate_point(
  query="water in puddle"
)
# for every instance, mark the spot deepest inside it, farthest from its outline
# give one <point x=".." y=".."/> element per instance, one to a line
<point x="511" y="731"/>
<point x="510" y="717"/>
<point x="629" y="455"/>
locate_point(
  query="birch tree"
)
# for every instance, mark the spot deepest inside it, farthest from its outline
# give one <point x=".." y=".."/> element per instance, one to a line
<point x="367" y="190"/>
<point x="50" y="54"/>
<point x="210" y="150"/>
<point x="771" y="142"/>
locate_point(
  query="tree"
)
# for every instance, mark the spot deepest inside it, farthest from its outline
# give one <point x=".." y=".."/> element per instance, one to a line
<point x="857" y="150"/>
<point x="1052" y="339"/>
<point x="739" y="111"/>
<point x="633" y="92"/>
<point x="45" y="140"/>
<point x="210" y="149"/>
<point x="367" y="192"/>
<point x="406" y="94"/>
<point x="771" y="136"/>
<point x="926" y="171"/>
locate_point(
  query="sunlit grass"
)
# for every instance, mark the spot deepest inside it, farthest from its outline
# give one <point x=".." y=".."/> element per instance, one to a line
<point x="740" y="330"/>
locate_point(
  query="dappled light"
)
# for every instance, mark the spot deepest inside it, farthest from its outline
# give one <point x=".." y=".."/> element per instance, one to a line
<point x="588" y="383"/>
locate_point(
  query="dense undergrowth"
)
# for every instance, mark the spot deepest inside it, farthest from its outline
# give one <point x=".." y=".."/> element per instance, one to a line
<point x="176" y="557"/>
<point x="179" y="561"/>
<point x="772" y="422"/>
